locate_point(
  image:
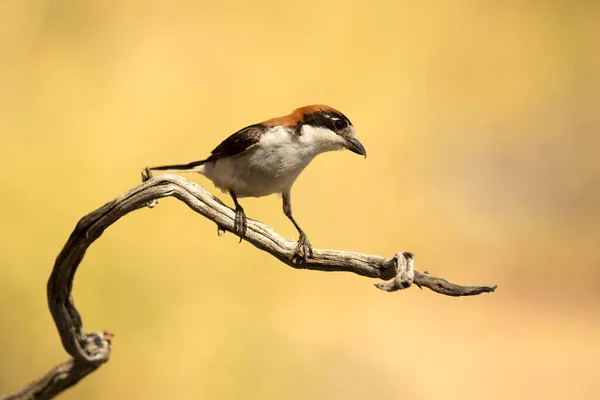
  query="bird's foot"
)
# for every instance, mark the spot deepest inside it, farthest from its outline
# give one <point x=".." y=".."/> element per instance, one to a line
<point x="303" y="250"/>
<point x="146" y="176"/>
<point x="240" y="223"/>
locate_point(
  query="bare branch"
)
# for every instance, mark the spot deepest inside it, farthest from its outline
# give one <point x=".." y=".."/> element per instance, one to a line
<point x="90" y="350"/>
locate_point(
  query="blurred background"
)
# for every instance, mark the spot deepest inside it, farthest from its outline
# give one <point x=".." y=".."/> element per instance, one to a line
<point x="482" y="124"/>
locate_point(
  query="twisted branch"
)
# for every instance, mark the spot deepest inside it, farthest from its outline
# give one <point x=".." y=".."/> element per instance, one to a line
<point x="90" y="350"/>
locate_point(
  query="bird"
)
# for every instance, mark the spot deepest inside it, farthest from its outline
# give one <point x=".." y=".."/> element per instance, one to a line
<point x="267" y="157"/>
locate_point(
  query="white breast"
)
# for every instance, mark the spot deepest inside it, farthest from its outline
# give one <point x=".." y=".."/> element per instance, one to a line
<point x="273" y="164"/>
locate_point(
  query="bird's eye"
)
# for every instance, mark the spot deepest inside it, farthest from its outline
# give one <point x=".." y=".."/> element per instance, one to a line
<point x="339" y="124"/>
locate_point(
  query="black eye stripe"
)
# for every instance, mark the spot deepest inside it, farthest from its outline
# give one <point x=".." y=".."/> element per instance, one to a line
<point x="332" y="121"/>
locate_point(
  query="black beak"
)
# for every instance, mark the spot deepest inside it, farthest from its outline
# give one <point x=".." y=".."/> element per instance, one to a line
<point x="355" y="146"/>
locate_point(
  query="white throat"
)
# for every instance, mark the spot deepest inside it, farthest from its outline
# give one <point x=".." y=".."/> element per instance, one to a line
<point x="316" y="140"/>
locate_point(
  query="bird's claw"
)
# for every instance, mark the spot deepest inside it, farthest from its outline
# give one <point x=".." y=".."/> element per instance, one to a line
<point x="240" y="223"/>
<point x="146" y="174"/>
<point x="303" y="250"/>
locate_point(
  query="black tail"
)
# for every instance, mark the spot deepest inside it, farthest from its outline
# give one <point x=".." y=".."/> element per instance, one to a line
<point x="179" y="167"/>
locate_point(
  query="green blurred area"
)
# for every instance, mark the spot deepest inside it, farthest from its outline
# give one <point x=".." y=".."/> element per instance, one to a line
<point x="482" y="123"/>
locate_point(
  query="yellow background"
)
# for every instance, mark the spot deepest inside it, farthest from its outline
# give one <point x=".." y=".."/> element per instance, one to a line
<point x="481" y="120"/>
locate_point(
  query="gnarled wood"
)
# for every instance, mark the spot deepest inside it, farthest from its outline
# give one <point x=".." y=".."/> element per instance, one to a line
<point x="90" y="350"/>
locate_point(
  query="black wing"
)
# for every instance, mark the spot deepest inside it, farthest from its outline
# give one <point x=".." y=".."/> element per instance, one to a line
<point x="239" y="142"/>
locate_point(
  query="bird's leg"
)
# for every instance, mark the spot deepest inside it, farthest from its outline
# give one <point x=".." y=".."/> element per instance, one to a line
<point x="303" y="249"/>
<point x="239" y="225"/>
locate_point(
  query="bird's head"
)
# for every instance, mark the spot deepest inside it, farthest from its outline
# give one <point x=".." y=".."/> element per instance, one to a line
<point x="323" y="128"/>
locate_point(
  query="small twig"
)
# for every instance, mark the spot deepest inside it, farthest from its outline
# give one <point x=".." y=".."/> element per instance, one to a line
<point x="90" y="350"/>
